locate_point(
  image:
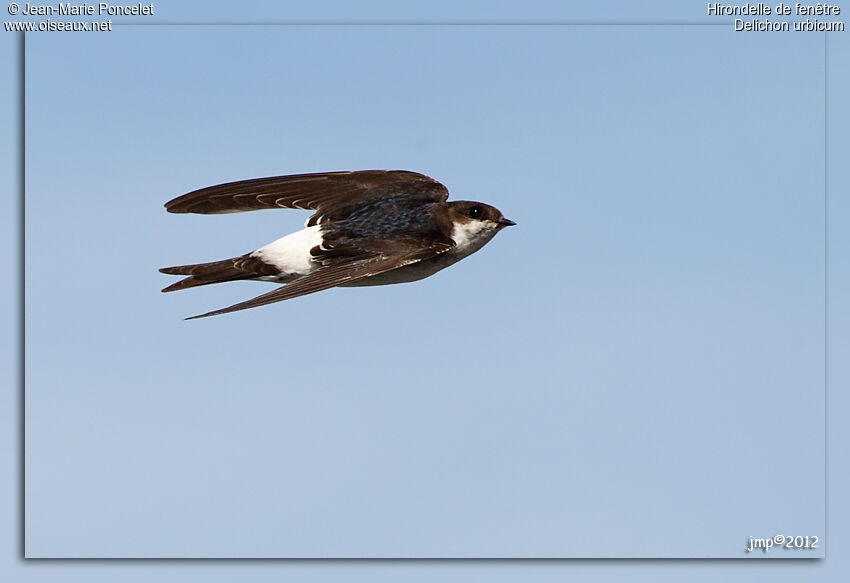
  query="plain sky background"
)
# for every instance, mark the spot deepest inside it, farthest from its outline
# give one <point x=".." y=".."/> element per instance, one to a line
<point x="633" y="398"/>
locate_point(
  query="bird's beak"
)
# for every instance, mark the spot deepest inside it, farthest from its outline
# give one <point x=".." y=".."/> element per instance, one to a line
<point x="507" y="223"/>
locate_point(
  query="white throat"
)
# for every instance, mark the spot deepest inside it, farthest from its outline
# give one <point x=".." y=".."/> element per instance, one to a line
<point x="471" y="236"/>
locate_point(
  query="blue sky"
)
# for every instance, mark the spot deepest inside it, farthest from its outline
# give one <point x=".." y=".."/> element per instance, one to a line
<point x="632" y="370"/>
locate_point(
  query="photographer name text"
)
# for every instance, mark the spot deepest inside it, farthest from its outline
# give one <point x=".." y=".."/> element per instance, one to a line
<point x="85" y="9"/>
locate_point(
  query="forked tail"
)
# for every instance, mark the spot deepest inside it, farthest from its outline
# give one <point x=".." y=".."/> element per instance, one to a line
<point x="243" y="267"/>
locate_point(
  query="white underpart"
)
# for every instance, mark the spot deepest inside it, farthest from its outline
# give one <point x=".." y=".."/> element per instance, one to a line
<point x="291" y="254"/>
<point x="468" y="237"/>
<point x="472" y="236"/>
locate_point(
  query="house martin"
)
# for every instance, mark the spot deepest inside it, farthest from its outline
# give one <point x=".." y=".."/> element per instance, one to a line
<point x="370" y="227"/>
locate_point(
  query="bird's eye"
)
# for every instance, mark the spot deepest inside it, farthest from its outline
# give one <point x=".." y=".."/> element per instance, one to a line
<point x="476" y="212"/>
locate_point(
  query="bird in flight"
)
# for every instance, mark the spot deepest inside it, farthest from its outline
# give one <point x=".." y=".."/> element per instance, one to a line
<point x="370" y="227"/>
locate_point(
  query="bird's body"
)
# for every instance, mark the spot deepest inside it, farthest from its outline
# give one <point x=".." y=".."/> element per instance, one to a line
<point x="371" y="227"/>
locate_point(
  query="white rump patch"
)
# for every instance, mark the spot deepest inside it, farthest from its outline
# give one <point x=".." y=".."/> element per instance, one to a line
<point x="291" y="254"/>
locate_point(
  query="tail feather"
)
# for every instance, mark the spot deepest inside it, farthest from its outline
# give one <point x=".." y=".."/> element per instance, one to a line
<point x="243" y="267"/>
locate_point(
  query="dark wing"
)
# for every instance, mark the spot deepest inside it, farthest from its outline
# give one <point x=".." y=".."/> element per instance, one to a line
<point x="333" y="195"/>
<point x="336" y="272"/>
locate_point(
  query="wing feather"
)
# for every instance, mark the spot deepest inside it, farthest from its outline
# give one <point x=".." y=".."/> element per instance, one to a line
<point x="331" y="194"/>
<point x="333" y="275"/>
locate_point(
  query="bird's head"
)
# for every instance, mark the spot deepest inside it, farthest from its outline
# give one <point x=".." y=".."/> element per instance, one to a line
<point x="467" y="211"/>
<point x="475" y="223"/>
